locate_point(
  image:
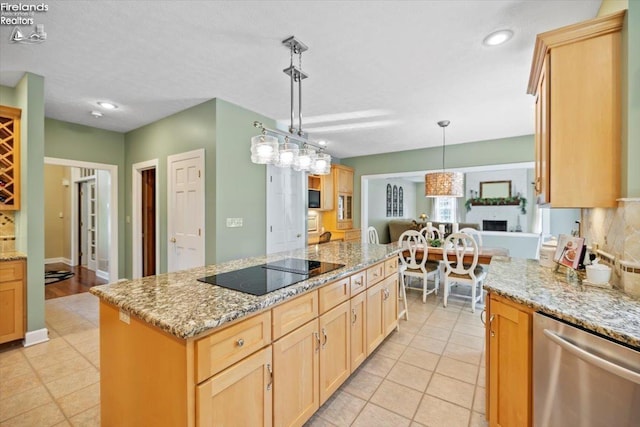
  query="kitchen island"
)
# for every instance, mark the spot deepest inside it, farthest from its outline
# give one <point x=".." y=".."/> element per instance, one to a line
<point x="516" y="289"/>
<point x="176" y="351"/>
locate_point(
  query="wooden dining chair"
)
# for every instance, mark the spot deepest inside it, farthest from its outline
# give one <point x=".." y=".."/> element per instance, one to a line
<point x="456" y="271"/>
<point x="413" y="259"/>
<point x="372" y="235"/>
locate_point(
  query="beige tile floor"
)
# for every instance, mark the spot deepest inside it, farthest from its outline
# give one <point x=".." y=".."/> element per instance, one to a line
<point x="430" y="373"/>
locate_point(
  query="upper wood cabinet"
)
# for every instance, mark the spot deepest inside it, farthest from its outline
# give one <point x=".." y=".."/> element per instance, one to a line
<point x="341" y="217"/>
<point x="9" y="158"/>
<point x="323" y="184"/>
<point x="575" y="77"/>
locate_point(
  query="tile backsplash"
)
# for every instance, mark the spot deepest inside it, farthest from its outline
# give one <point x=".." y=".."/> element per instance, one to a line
<point x="617" y="231"/>
<point x="7" y="231"/>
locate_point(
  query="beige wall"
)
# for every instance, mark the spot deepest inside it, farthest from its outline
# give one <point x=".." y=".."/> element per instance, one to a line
<point x="57" y="232"/>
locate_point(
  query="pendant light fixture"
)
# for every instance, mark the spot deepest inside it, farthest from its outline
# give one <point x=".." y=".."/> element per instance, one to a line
<point x="296" y="152"/>
<point x="443" y="184"/>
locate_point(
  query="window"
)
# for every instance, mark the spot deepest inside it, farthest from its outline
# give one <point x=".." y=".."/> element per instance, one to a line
<point x="444" y="209"/>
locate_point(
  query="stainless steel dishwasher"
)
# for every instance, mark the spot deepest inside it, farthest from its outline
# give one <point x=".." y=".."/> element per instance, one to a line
<point x="581" y="379"/>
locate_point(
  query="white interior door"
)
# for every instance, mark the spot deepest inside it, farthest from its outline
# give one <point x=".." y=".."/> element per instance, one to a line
<point x="84" y="222"/>
<point x="185" y="210"/>
<point x="92" y="225"/>
<point x="286" y="210"/>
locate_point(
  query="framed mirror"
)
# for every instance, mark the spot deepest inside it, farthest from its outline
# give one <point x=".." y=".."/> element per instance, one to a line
<point x="495" y="189"/>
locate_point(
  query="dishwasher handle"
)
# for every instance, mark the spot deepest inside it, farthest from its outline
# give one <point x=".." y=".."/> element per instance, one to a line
<point x="593" y="359"/>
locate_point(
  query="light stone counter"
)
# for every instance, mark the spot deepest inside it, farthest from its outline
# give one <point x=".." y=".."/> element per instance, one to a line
<point x="12" y="256"/>
<point x="180" y="305"/>
<point x="606" y="311"/>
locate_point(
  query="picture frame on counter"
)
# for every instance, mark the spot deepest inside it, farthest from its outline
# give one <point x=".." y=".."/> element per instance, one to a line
<point x="570" y="251"/>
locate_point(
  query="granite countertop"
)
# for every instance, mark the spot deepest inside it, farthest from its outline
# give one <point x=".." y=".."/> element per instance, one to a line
<point x="608" y="312"/>
<point x="12" y="256"/>
<point x="180" y="305"/>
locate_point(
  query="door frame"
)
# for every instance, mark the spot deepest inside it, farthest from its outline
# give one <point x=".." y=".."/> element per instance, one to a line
<point x="136" y="217"/>
<point x="170" y="213"/>
<point x="113" y="211"/>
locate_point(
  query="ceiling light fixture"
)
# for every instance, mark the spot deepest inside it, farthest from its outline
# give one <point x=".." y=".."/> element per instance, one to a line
<point x="443" y="184"/>
<point x="107" y="105"/>
<point x="498" y="37"/>
<point x="296" y="151"/>
<point x="96" y="114"/>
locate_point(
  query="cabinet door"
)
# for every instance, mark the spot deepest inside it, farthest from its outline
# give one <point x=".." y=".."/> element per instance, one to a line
<point x="326" y="193"/>
<point x="241" y="395"/>
<point x="390" y="303"/>
<point x="358" y="330"/>
<point x="510" y="365"/>
<point x="542" y="135"/>
<point x="296" y="376"/>
<point x="375" y="321"/>
<point x="335" y="349"/>
<point x="345" y="180"/>
<point x="11" y="311"/>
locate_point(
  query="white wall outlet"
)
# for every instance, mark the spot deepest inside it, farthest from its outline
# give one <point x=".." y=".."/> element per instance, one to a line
<point x="234" y="222"/>
<point x="124" y="317"/>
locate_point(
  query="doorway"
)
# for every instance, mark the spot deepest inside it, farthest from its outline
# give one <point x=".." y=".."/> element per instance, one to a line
<point x="104" y="226"/>
<point x="145" y="221"/>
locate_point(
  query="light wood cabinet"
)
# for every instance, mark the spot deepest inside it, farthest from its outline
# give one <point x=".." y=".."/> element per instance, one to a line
<point x="352" y="235"/>
<point x="575" y="77"/>
<point x="241" y="395"/>
<point x="509" y="358"/>
<point x="323" y="184"/>
<point x="341" y="216"/>
<point x="335" y="349"/>
<point x="358" y="332"/>
<point x="12" y="300"/>
<point x="296" y="363"/>
<point x="9" y="158"/>
<point x="275" y="367"/>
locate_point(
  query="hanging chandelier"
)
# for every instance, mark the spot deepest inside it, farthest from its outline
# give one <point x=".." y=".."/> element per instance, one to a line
<point x="443" y="184"/>
<point x="296" y="151"/>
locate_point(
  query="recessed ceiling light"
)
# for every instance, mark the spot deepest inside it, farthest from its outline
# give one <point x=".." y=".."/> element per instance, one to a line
<point x="498" y="37"/>
<point x="322" y="143"/>
<point x="107" y="105"/>
<point x="96" y="114"/>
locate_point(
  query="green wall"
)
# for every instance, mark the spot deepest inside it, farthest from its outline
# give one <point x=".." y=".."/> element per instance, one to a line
<point x="492" y="152"/>
<point x="71" y="141"/>
<point x="631" y="120"/>
<point x="234" y="187"/>
<point x="28" y="95"/>
<point x="240" y="190"/>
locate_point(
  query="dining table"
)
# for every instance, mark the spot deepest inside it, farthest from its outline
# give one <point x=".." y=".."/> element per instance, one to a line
<point x="485" y="253"/>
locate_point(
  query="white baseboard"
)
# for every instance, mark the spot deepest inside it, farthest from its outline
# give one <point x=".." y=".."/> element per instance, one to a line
<point x="102" y="274"/>
<point x="36" y="337"/>
<point x="57" y="260"/>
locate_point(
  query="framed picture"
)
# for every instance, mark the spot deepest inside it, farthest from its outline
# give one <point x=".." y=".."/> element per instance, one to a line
<point x="570" y="251"/>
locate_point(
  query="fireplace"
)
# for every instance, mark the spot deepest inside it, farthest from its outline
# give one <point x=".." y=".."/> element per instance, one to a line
<point x="492" y="225"/>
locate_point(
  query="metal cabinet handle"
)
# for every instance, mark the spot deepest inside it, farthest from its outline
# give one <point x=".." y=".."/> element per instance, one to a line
<point x="482" y="318"/>
<point x="359" y="282"/>
<point x="270" y="376"/>
<point x="240" y="342"/>
<point x="173" y="240"/>
<point x="354" y="316"/>
<point x="592" y="359"/>
<point x="386" y="293"/>
<point x="324" y="334"/>
<point x="491" y="331"/>
<point x="317" y="335"/>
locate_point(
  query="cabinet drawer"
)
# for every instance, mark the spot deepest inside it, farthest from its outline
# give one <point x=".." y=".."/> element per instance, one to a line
<point x="344" y="224"/>
<point x="295" y="313"/>
<point x="375" y="274"/>
<point x="11" y="270"/>
<point x="224" y="348"/>
<point x="391" y="266"/>
<point x="334" y="293"/>
<point x="358" y="282"/>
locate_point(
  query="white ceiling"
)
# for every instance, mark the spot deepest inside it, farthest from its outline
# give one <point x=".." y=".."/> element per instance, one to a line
<point x="396" y="66"/>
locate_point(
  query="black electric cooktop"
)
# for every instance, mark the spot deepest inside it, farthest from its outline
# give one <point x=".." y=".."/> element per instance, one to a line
<point x="265" y="278"/>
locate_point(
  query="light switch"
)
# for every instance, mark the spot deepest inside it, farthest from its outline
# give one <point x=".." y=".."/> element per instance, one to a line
<point x="234" y="222"/>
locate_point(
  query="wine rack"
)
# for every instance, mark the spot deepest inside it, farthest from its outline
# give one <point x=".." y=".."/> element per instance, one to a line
<point x="9" y="158"/>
